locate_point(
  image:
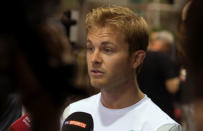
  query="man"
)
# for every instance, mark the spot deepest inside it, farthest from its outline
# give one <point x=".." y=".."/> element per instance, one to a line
<point x="116" y="42"/>
<point x="162" y="41"/>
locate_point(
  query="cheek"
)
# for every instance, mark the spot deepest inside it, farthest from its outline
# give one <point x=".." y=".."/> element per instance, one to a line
<point x="118" y="65"/>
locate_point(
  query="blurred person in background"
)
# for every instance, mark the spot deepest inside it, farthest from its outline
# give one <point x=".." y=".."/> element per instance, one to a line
<point x="159" y="76"/>
<point x="162" y="41"/>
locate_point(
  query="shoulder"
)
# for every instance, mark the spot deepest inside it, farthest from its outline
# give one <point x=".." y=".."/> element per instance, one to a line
<point x="87" y="101"/>
<point x="81" y="105"/>
<point x="170" y="127"/>
<point x="157" y="119"/>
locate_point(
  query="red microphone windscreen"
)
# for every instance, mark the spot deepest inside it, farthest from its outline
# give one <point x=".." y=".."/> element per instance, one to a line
<point x="22" y="124"/>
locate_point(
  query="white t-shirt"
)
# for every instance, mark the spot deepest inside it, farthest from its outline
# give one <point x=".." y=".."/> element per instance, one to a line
<point x="142" y="116"/>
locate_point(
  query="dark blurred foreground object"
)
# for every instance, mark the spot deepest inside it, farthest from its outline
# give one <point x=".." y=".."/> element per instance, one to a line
<point x="42" y="67"/>
<point x="78" y="121"/>
<point x="10" y="112"/>
<point x="22" y="124"/>
<point x="17" y="15"/>
<point x="190" y="48"/>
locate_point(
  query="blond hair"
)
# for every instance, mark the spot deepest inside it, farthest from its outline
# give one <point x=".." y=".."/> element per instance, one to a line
<point x="132" y="26"/>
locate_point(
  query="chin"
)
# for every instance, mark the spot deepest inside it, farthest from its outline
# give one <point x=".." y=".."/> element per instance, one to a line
<point x="97" y="84"/>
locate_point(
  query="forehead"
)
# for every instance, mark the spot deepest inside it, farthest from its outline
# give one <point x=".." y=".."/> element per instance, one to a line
<point x="112" y="34"/>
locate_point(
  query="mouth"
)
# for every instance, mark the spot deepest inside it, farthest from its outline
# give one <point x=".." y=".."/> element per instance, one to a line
<point x="95" y="72"/>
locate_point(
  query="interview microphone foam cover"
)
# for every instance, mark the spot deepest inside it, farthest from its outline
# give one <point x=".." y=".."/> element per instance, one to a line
<point x="78" y="121"/>
<point x="22" y="124"/>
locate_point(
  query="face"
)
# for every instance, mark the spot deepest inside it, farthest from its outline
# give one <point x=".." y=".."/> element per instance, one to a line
<point x="159" y="45"/>
<point x="108" y="58"/>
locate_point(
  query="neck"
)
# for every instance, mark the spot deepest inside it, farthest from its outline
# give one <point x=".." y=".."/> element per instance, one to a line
<point x="123" y="96"/>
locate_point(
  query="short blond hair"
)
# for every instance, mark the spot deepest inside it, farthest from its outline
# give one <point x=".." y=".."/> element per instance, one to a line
<point x="132" y="26"/>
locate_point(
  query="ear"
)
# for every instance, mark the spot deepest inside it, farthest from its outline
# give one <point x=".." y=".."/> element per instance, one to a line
<point x="137" y="58"/>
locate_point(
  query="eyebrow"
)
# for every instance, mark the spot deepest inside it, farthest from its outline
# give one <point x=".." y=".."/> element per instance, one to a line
<point x="103" y="43"/>
<point x="89" y="41"/>
<point x="106" y="43"/>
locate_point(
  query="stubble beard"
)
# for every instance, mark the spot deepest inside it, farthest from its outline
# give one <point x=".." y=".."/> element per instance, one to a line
<point x="110" y="85"/>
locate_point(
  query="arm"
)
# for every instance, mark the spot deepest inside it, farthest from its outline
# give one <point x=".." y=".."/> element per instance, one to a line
<point x="170" y="72"/>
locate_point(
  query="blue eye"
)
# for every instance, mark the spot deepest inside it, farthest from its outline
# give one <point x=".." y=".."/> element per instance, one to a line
<point x="108" y="50"/>
<point x="90" y="49"/>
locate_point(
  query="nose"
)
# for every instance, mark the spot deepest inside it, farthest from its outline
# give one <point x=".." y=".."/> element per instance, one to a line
<point x="96" y="58"/>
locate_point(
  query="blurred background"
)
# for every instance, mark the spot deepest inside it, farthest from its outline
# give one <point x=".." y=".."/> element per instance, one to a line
<point x="160" y="14"/>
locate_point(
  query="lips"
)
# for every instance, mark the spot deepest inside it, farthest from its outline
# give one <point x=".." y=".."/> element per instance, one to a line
<point x="96" y="72"/>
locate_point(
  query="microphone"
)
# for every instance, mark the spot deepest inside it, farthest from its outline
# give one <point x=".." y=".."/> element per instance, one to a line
<point x="22" y="124"/>
<point x="78" y="121"/>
